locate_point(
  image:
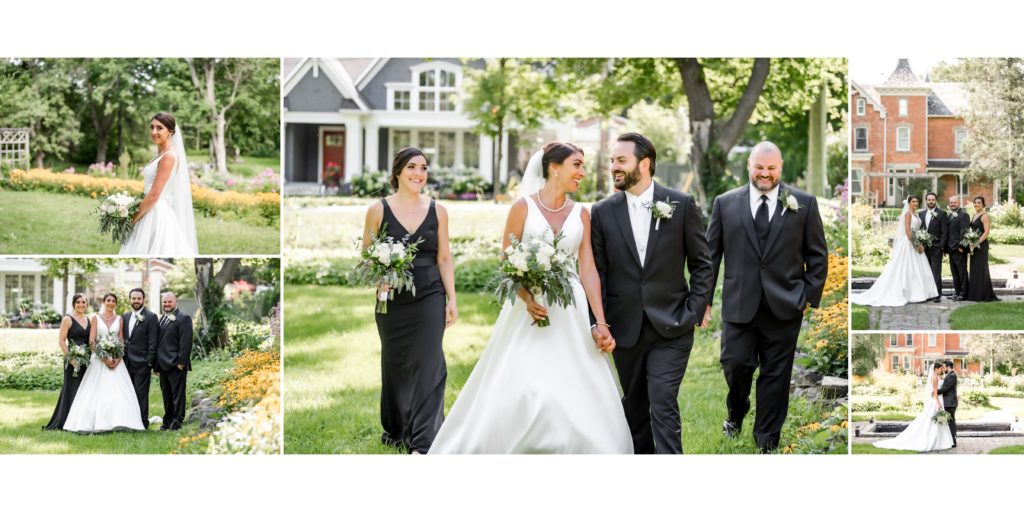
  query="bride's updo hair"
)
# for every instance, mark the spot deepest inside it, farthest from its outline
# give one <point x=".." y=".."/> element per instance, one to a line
<point x="401" y="160"/>
<point x="911" y="197"/>
<point x="937" y="365"/>
<point x="109" y="294"/>
<point x="557" y="152"/>
<point x="167" y="120"/>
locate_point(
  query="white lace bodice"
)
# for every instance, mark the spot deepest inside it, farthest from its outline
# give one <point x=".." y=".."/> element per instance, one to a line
<point x="536" y="225"/>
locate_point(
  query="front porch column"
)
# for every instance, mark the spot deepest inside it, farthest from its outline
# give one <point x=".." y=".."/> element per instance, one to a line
<point x="372" y="147"/>
<point x="353" y="149"/>
<point x="486" y="156"/>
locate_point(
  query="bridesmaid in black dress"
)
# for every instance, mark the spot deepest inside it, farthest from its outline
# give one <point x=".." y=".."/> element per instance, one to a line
<point x="413" y="371"/>
<point x="979" y="284"/>
<point x="74" y="328"/>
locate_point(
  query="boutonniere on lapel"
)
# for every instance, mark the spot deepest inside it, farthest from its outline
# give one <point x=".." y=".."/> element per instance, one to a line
<point x="138" y="317"/>
<point x="170" y="317"/>
<point x="661" y="210"/>
<point x="788" y="203"/>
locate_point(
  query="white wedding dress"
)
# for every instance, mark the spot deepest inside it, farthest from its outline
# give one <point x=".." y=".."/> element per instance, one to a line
<point x="923" y="434"/>
<point x="106" y="399"/>
<point x="906" y="278"/>
<point x="168" y="229"/>
<point x="539" y="389"/>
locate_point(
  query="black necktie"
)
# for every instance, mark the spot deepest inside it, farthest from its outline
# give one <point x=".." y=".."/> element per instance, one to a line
<point x="761" y="221"/>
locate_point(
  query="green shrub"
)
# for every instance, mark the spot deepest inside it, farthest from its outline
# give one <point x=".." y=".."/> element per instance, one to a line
<point x="977" y="399"/>
<point x="1007" y="235"/>
<point x="31" y="371"/>
<point x="867" y="406"/>
<point x="476" y="275"/>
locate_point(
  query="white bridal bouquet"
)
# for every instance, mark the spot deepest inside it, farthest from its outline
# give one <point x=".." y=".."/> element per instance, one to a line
<point x="78" y="356"/>
<point x="109" y="347"/>
<point x="386" y="262"/>
<point x="921" y="238"/>
<point x="116" y="212"/>
<point x="539" y="267"/>
<point x="969" y="237"/>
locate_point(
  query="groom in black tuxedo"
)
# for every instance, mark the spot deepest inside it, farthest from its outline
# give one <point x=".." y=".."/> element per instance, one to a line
<point x="140" y="348"/>
<point x="651" y="308"/>
<point x="933" y="220"/>
<point x="173" y="360"/>
<point x="776" y="260"/>
<point x="950" y="400"/>
<point x="956" y="222"/>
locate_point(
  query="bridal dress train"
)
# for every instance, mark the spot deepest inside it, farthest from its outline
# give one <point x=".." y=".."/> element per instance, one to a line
<point x="906" y="278"/>
<point x="922" y="434"/>
<point x="106" y="398"/>
<point x="540" y="389"/>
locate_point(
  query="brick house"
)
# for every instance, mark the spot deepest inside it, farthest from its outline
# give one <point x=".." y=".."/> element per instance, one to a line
<point x="906" y="137"/>
<point x="915" y="352"/>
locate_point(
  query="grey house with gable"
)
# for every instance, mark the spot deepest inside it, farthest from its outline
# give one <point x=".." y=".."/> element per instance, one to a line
<point x="351" y="115"/>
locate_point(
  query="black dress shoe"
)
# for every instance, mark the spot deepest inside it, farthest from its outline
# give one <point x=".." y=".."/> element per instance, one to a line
<point x="730" y="429"/>
<point x="937" y="299"/>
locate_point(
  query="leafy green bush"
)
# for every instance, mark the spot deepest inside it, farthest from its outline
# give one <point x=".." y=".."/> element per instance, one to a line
<point x="244" y="335"/>
<point x="1007" y="235"/>
<point x="977" y="399"/>
<point x="476" y="275"/>
<point x="371" y="184"/>
<point x="867" y="406"/>
<point x="31" y="370"/>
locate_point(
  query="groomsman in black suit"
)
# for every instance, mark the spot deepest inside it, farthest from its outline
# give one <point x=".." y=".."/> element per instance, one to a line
<point x="933" y="220"/>
<point x="776" y="261"/>
<point x="957" y="221"/>
<point x="140" y="348"/>
<point x="173" y="360"/>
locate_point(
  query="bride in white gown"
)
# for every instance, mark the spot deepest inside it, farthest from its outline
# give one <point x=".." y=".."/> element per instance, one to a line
<point x="543" y="389"/>
<point x="165" y="223"/>
<point x="106" y="399"/>
<point x="924" y="434"/>
<point x="907" y="277"/>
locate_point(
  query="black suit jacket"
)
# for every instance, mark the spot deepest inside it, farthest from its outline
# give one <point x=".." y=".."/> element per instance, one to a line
<point x="938" y="228"/>
<point x="175" y="346"/>
<point x="948" y="390"/>
<point x="659" y="287"/>
<point x="955" y="226"/>
<point x="140" y="346"/>
<point x="790" y="272"/>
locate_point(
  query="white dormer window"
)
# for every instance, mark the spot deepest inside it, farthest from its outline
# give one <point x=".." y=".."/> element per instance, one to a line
<point x="861" y="106"/>
<point x="959" y="135"/>
<point x="432" y="87"/>
<point x="903" y="107"/>
<point x="903" y="138"/>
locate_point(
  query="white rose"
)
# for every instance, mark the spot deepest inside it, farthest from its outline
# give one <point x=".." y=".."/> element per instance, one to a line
<point x="544" y="262"/>
<point x="510" y="249"/>
<point x="792" y="204"/>
<point x="122" y="211"/>
<point x="520" y="262"/>
<point x="560" y="258"/>
<point x="382" y="254"/>
<point x="397" y="251"/>
<point x="546" y="250"/>
<point x="663" y="208"/>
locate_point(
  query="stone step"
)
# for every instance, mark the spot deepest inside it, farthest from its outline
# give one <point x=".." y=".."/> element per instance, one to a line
<point x="859" y="284"/>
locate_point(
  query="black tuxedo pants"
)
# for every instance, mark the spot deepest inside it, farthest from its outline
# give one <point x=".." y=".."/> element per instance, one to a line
<point x="769" y="344"/>
<point x="141" y="375"/>
<point x="958" y="267"/>
<point x="935" y="262"/>
<point x="651" y="372"/>
<point x="172" y="385"/>
<point x="952" y="421"/>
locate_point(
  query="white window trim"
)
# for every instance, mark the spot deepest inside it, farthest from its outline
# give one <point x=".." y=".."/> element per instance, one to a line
<point x="414" y="141"/>
<point x="414" y="88"/>
<point x="867" y="139"/>
<point x="393" y="88"/>
<point x="894" y="340"/>
<point x="861" y="106"/>
<point x="959" y="136"/>
<point x="931" y="340"/>
<point x="909" y="134"/>
<point x="903" y="107"/>
<point x="895" y="363"/>
<point x="908" y="340"/>
<point x="854" y="178"/>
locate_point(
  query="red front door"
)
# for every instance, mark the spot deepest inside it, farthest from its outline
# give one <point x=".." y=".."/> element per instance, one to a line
<point x="333" y="171"/>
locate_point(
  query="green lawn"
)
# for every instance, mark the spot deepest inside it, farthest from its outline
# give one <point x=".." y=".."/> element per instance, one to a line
<point x="249" y="166"/>
<point x="23" y="414"/>
<point x="867" y="449"/>
<point x="1009" y="450"/>
<point x="989" y="316"/>
<point x="332" y="375"/>
<point x="47" y="223"/>
<point x="860" y="317"/>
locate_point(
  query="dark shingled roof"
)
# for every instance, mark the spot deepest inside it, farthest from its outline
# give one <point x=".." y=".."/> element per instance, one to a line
<point x="936" y="107"/>
<point x="944" y="163"/>
<point x="903" y="76"/>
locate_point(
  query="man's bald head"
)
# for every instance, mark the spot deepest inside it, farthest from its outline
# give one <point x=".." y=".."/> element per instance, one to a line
<point x="169" y="301"/>
<point x="765" y="166"/>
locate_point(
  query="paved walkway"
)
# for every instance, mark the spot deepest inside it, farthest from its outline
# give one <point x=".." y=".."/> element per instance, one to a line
<point x="921" y="315"/>
<point x="969" y="445"/>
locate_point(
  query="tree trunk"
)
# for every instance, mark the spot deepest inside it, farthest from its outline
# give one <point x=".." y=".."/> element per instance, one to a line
<point x="602" y="157"/>
<point x="713" y="138"/>
<point x="496" y="168"/>
<point x="219" y="146"/>
<point x="209" y="292"/>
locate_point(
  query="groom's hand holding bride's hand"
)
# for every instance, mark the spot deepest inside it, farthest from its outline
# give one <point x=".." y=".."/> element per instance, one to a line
<point x="602" y="338"/>
<point x="707" y="318"/>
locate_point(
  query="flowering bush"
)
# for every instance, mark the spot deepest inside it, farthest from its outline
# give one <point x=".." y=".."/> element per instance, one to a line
<point x="812" y="431"/>
<point x="254" y="430"/>
<point x="264" y="205"/>
<point x="254" y="371"/>
<point x="371" y="184"/>
<point x="102" y="169"/>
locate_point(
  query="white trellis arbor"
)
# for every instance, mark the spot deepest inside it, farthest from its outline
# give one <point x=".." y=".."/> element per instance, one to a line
<point x="14" y="147"/>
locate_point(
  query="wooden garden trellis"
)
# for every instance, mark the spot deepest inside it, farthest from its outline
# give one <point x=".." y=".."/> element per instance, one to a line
<point x="14" y="147"/>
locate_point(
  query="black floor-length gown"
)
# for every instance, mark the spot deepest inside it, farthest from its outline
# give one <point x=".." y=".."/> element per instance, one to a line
<point x="979" y="285"/>
<point x="413" y="371"/>
<point x="79" y="336"/>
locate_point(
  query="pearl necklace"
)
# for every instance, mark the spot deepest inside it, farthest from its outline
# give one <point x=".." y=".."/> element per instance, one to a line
<point x="556" y="210"/>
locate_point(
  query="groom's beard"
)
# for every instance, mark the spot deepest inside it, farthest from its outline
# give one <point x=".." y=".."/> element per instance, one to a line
<point x="629" y="179"/>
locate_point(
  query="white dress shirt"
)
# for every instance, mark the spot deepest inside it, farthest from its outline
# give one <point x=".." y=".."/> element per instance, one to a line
<point x="131" y="322"/>
<point x="928" y="217"/>
<point x="755" y="200"/>
<point x="640" y="219"/>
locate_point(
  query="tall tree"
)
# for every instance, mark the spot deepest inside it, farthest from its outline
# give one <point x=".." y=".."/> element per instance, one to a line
<point x="507" y="93"/>
<point x="64" y="268"/>
<point x="219" y="84"/>
<point x="112" y="90"/>
<point x="34" y="94"/>
<point x="210" y="283"/>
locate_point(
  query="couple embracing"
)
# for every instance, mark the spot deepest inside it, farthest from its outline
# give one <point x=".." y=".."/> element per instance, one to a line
<point x="647" y="270"/>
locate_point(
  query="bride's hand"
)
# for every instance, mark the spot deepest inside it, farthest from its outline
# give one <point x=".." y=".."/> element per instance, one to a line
<point x="537" y="311"/>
